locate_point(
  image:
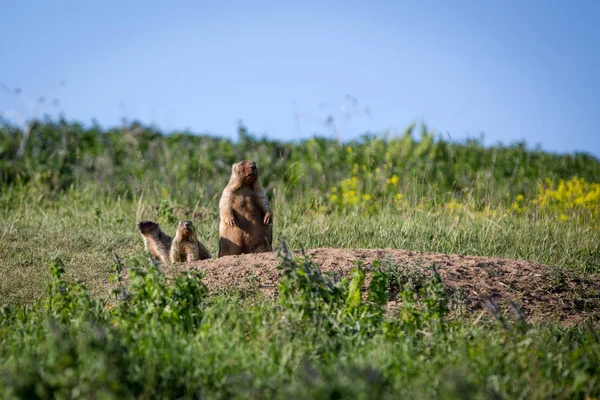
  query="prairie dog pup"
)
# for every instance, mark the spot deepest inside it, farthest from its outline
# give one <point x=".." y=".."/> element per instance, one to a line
<point x="156" y="242"/>
<point x="185" y="246"/>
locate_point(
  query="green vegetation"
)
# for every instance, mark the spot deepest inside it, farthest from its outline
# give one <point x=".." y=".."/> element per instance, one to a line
<point x="75" y="194"/>
<point x="321" y="339"/>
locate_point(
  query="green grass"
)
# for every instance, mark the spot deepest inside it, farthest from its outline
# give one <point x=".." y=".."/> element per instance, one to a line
<point x="84" y="233"/>
<point x="75" y="196"/>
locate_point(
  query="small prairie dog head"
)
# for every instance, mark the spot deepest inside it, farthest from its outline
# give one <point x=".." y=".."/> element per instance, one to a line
<point x="185" y="229"/>
<point x="148" y="228"/>
<point x="246" y="171"/>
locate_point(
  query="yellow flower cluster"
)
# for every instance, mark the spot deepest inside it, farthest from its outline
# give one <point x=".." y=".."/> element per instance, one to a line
<point x="393" y="180"/>
<point x="348" y="192"/>
<point x="518" y="205"/>
<point x="370" y="188"/>
<point x="568" y="198"/>
<point x="453" y="206"/>
<point x="366" y="186"/>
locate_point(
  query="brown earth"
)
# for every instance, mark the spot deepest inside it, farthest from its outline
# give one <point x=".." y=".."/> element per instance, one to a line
<point x="544" y="293"/>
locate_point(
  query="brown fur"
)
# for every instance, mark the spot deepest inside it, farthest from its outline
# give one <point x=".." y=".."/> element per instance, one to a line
<point x="156" y="242"/>
<point x="186" y="247"/>
<point x="246" y="219"/>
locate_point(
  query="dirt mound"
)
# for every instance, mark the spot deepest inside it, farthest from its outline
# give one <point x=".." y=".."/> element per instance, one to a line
<point x="543" y="292"/>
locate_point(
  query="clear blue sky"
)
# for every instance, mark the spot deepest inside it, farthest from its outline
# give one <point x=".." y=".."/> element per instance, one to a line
<point x="511" y="69"/>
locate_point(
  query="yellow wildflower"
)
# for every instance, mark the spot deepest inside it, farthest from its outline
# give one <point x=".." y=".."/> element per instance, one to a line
<point x="575" y="194"/>
<point x="393" y="180"/>
<point x="453" y="205"/>
<point x="563" y="217"/>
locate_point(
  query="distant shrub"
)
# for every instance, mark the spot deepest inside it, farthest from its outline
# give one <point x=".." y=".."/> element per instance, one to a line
<point x="61" y="156"/>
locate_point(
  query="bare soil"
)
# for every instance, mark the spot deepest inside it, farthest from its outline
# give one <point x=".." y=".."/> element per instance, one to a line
<point x="544" y="293"/>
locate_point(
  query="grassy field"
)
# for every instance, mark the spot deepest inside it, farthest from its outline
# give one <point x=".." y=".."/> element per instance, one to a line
<point x="73" y="197"/>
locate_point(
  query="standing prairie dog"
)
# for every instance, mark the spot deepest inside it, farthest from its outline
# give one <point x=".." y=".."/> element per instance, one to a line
<point x="246" y="219"/>
<point x="185" y="246"/>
